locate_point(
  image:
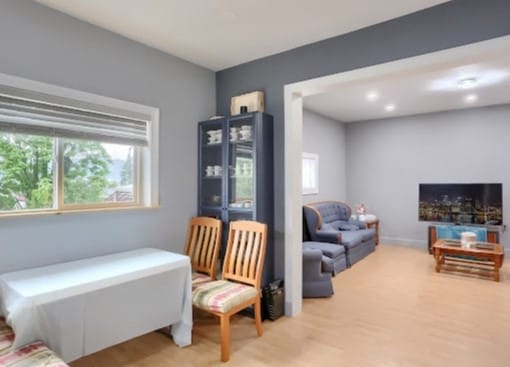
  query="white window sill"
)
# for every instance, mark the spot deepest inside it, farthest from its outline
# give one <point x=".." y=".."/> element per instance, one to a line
<point x="31" y="213"/>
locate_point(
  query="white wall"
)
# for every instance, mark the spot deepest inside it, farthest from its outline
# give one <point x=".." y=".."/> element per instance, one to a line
<point x="326" y="137"/>
<point x="44" y="45"/>
<point x="387" y="159"/>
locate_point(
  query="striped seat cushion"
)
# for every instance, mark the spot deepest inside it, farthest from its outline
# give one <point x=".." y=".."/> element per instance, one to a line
<point x="222" y="295"/>
<point x="6" y="337"/>
<point x="31" y="355"/>
<point x="199" y="278"/>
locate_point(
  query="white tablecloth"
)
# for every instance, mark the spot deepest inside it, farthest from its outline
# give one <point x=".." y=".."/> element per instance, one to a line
<point x="80" y="307"/>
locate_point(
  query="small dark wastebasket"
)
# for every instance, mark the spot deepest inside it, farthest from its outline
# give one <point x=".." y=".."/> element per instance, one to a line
<point x="273" y="299"/>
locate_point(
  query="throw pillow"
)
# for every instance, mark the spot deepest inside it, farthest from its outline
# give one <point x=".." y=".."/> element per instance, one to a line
<point x="348" y="227"/>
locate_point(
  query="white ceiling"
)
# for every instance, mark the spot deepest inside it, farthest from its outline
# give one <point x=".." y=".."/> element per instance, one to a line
<point x="423" y="90"/>
<point x="218" y="34"/>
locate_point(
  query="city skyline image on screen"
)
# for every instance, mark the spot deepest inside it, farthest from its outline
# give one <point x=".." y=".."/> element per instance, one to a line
<point x="474" y="203"/>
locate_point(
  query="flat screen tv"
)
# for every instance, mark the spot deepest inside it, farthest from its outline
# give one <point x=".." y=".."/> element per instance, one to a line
<point x="467" y="203"/>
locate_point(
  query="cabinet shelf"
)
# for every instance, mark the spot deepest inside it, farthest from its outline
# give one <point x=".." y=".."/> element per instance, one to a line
<point x="240" y="141"/>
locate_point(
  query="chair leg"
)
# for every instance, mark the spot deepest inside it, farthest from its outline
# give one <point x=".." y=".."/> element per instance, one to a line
<point x="258" y="317"/>
<point x="225" y="337"/>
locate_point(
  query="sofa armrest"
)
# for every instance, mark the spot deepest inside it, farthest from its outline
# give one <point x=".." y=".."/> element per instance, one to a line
<point x="312" y="265"/>
<point x="327" y="236"/>
<point x="312" y="255"/>
<point x="360" y="224"/>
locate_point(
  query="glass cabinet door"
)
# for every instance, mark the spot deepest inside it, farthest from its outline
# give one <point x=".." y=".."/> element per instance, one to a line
<point x="241" y="164"/>
<point x="211" y="165"/>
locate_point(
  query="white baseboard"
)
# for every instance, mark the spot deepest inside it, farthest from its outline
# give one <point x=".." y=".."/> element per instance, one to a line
<point x="404" y="242"/>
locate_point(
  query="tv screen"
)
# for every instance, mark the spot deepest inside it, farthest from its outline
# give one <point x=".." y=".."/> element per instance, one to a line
<point x="475" y="203"/>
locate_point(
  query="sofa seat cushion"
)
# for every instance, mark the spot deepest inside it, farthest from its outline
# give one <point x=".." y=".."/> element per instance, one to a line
<point x="6" y="337"/>
<point x="222" y="295"/>
<point x="33" y="355"/>
<point x="352" y="238"/>
<point x="330" y="250"/>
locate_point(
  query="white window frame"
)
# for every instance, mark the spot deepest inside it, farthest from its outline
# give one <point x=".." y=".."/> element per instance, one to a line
<point x="310" y="166"/>
<point x="147" y="158"/>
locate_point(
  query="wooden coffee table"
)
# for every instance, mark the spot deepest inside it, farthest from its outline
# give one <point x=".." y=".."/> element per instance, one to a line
<point x="483" y="257"/>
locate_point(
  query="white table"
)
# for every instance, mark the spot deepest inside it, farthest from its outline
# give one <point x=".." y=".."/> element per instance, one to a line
<point x="80" y="307"/>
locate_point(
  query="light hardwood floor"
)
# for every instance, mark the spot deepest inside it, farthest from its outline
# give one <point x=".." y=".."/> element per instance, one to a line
<point x="389" y="310"/>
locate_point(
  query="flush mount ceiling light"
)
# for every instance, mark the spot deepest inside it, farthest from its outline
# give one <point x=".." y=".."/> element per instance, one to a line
<point x="389" y="107"/>
<point x="467" y="83"/>
<point x="470" y="98"/>
<point x="450" y="80"/>
<point x="372" y="96"/>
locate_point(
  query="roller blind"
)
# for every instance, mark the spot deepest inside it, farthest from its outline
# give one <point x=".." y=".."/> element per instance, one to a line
<point x="25" y="116"/>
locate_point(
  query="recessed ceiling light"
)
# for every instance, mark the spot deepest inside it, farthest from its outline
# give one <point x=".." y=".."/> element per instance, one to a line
<point x="470" y="98"/>
<point x="468" y="83"/>
<point x="372" y="96"/>
<point x="389" y="107"/>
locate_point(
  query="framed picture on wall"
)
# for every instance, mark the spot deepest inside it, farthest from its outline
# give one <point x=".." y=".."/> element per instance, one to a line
<point x="310" y="173"/>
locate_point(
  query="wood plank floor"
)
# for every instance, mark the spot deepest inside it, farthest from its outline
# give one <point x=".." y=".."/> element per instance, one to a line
<point x="389" y="310"/>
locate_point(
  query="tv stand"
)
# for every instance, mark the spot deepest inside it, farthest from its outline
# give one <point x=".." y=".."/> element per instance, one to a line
<point x="492" y="235"/>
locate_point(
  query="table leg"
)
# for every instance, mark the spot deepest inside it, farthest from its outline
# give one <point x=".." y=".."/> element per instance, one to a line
<point x="497" y="265"/>
<point x="437" y="256"/>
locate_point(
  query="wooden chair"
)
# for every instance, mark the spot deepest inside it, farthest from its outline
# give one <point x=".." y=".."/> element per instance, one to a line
<point x="240" y="286"/>
<point x="203" y="246"/>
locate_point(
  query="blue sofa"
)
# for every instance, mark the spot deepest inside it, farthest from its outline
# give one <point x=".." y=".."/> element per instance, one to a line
<point x="329" y="221"/>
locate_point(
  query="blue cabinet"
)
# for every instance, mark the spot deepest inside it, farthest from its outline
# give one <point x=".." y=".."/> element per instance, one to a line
<point x="235" y="170"/>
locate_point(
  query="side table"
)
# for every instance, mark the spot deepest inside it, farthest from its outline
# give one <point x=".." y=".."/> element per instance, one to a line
<point x="374" y="224"/>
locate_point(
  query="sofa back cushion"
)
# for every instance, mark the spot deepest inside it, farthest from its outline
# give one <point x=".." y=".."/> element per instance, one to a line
<point x="333" y="211"/>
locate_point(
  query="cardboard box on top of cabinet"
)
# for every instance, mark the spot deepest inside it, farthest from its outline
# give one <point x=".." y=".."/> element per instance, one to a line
<point x="254" y="101"/>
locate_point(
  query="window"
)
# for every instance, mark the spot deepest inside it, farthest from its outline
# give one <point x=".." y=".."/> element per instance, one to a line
<point x="310" y="173"/>
<point x="27" y="172"/>
<point x="61" y="154"/>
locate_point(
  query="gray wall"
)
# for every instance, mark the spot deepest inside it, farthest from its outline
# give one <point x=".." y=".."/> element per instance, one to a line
<point x="41" y="44"/>
<point x="326" y="137"/>
<point x="398" y="154"/>
<point x="455" y="23"/>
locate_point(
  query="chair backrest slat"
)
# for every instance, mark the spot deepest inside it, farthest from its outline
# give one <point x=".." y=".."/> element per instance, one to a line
<point x="240" y="251"/>
<point x="203" y="244"/>
<point x="207" y="251"/>
<point x="247" y="260"/>
<point x="200" y="246"/>
<point x="256" y="249"/>
<point x="244" y="258"/>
